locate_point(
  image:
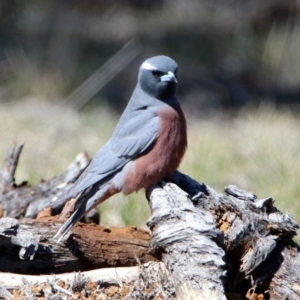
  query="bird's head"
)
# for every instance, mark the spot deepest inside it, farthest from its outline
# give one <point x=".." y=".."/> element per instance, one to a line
<point x="158" y="77"/>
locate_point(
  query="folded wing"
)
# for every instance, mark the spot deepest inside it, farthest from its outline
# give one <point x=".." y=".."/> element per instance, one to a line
<point x="128" y="141"/>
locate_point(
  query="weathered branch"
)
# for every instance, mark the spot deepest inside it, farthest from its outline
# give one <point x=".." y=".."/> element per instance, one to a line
<point x="105" y="276"/>
<point x="187" y="240"/>
<point x="143" y="281"/>
<point x="31" y="243"/>
<point x="257" y="239"/>
<point x="27" y="201"/>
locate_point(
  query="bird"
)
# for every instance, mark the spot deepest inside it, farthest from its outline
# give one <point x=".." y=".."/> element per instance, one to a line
<point x="146" y="146"/>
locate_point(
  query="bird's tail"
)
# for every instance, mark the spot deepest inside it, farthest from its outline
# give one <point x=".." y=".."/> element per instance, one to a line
<point x="90" y="200"/>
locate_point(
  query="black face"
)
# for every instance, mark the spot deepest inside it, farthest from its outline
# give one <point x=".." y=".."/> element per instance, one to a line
<point x="158" y="77"/>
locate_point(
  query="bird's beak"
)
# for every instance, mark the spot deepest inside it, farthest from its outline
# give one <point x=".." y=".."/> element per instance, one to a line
<point x="170" y="77"/>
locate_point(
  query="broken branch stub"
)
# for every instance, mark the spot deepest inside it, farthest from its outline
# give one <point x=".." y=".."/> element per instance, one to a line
<point x="186" y="239"/>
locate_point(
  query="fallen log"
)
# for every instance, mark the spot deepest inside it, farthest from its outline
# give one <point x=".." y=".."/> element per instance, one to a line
<point x="262" y="260"/>
<point x="88" y="247"/>
<point x="215" y="246"/>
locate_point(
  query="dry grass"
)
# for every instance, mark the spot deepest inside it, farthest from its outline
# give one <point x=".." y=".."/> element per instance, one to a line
<point x="259" y="150"/>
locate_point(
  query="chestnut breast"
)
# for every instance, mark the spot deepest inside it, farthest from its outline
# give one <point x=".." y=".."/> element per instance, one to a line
<point x="164" y="157"/>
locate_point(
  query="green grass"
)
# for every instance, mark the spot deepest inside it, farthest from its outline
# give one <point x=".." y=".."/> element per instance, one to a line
<point x="258" y="150"/>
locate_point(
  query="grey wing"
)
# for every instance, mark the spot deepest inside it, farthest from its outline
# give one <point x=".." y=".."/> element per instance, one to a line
<point x="128" y="141"/>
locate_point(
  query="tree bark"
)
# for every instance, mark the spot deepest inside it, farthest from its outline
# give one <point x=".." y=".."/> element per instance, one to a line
<point x="187" y="240"/>
<point x="87" y="247"/>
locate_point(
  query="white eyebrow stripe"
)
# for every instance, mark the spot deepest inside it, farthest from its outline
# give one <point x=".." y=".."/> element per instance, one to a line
<point x="148" y="66"/>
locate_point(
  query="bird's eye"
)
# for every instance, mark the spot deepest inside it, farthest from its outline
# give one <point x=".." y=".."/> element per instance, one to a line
<point x="155" y="73"/>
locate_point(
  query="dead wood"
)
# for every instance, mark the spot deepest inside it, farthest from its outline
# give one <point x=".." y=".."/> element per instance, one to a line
<point x="262" y="261"/>
<point x="30" y="243"/>
<point x="188" y="242"/>
<point x="215" y="246"/>
<point x="7" y="174"/>
<point x="107" y="276"/>
<point x="146" y="281"/>
<point x="22" y="200"/>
